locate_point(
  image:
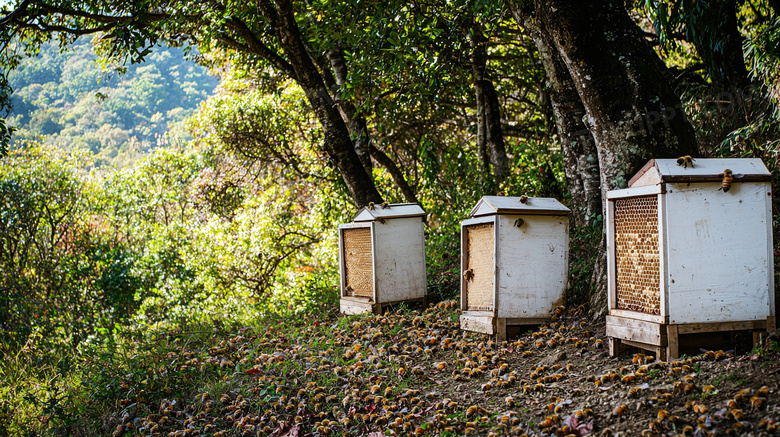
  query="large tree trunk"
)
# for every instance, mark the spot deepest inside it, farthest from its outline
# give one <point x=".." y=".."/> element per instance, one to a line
<point x="580" y="157"/>
<point x="337" y="142"/>
<point x="490" y="137"/>
<point x="630" y="108"/>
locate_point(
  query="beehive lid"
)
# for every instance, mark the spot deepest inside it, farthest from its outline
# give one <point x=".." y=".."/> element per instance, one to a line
<point x="491" y="205"/>
<point x="658" y="171"/>
<point x="391" y="211"/>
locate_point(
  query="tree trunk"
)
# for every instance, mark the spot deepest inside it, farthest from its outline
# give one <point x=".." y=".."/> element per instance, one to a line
<point x="490" y="137"/>
<point x="580" y="157"/>
<point x="359" y="130"/>
<point x="337" y="142"/>
<point x="630" y="107"/>
<point x="718" y="40"/>
<point x="357" y="123"/>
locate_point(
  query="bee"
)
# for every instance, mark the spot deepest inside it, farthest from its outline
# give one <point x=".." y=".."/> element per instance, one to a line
<point x="370" y="205"/>
<point x="471" y="411"/>
<point x="519" y="222"/>
<point x="635" y="392"/>
<point x="757" y="403"/>
<point x="685" y="161"/>
<point x="662" y="414"/>
<point x="385" y="205"/>
<point x="468" y="275"/>
<point x="728" y="178"/>
<point x="510" y="401"/>
<point x="546" y="423"/>
<point x="523" y="199"/>
<point x="620" y="410"/>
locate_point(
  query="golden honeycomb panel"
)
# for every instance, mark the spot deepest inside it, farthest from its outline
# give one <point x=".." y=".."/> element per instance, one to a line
<point x="358" y="262"/>
<point x="637" y="255"/>
<point x="481" y="251"/>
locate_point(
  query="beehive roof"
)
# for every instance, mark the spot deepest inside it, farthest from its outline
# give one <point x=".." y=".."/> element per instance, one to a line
<point x="393" y="210"/>
<point x="490" y="205"/>
<point x="657" y="171"/>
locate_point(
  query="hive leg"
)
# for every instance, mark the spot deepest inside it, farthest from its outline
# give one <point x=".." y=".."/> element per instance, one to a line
<point x="673" y="344"/>
<point x="615" y="347"/>
<point x="500" y="329"/>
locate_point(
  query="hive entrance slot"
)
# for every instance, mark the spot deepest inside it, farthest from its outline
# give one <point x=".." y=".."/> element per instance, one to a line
<point x="358" y="263"/>
<point x="637" y="258"/>
<point x="481" y="252"/>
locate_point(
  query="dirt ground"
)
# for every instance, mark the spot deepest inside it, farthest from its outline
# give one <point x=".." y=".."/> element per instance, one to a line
<point x="417" y="373"/>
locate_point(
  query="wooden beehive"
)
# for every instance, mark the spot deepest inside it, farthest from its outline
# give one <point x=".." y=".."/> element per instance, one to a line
<point x="685" y="257"/>
<point x="514" y="260"/>
<point x="382" y="258"/>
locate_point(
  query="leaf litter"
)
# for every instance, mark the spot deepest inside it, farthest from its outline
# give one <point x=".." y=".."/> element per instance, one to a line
<point x="416" y="373"/>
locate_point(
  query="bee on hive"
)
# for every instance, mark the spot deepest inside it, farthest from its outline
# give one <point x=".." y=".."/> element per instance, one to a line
<point x="728" y="178"/>
<point x="685" y="161"/>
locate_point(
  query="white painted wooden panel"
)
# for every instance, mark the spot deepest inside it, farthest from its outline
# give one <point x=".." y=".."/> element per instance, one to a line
<point x="532" y="266"/>
<point x="400" y="259"/>
<point x="709" y="167"/>
<point x="633" y="192"/>
<point x="393" y="210"/>
<point x="716" y="243"/>
<point x="489" y="205"/>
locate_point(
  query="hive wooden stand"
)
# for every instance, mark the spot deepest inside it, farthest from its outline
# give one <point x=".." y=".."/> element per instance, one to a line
<point x="664" y="340"/>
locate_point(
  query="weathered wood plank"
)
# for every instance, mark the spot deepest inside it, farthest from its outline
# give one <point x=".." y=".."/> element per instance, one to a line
<point x="636" y="330"/>
<point x="638" y="316"/>
<point x="500" y="330"/>
<point x="749" y="325"/>
<point x="351" y="306"/>
<point x="484" y="325"/>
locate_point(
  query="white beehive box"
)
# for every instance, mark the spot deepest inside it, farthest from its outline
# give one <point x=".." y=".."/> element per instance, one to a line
<point x="382" y="258"/>
<point x="514" y="261"/>
<point x="684" y="257"/>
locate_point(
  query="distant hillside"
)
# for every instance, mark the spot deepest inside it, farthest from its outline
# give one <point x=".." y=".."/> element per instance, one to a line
<point x="70" y="100"/>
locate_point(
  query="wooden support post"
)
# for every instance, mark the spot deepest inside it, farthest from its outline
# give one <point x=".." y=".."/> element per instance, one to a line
<point x="757" y="343"/>
<point x="500" y="329"/>
<point x="673" y="343"/>
<point x="615" y="347"/>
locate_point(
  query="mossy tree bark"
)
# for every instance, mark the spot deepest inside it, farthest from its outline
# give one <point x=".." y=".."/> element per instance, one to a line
<point x="630" y="108"/>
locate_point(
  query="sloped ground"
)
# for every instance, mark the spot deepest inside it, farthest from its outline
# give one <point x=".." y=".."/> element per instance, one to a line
<point x="418" y="373"/>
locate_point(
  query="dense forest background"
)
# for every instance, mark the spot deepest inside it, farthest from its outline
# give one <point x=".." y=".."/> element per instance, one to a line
<point x="118" y="114"/>
<point x="182" y="197"/>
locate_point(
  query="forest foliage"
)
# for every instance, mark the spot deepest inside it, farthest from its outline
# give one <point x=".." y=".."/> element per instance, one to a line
<point x="234" y="221"/>
<point x="117" y="112"/>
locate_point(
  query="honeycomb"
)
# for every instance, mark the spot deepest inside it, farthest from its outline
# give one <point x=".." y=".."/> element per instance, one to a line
<point x="481" y="250"/>
<point x="637" y="258"/>
<point x="358" y="263"/>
